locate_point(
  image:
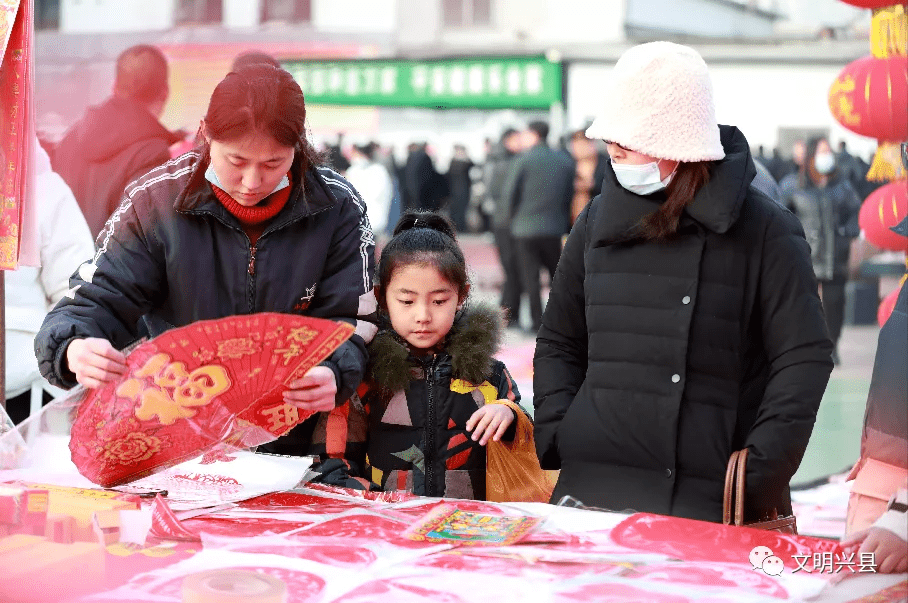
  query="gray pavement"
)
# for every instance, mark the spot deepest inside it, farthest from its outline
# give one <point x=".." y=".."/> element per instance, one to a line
<point x="835" y="443"/>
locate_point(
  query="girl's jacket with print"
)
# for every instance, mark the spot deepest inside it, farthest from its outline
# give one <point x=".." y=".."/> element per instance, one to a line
<point x="172" y="254"/>
<point x="407" y="428"/>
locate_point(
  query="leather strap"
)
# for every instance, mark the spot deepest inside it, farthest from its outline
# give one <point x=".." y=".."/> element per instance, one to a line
<point x="740" y="484"/>
<point x="727" y="498"/>
<point x="733" y="499"/>
<point x="780" y="524"/>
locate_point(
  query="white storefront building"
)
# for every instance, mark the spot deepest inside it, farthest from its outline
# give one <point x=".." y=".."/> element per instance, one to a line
<point x="771" y="74"/>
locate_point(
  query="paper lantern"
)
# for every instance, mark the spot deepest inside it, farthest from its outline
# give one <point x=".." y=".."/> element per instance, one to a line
<point x="883" y="209"/>
<point x="869" y="3"/>
<point x="886" y="306"/>
<point x="869" y="98"/>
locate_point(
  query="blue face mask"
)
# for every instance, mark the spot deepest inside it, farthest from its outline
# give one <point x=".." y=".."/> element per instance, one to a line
<point x="211" y="177"/>
<point x="643" y="179"/>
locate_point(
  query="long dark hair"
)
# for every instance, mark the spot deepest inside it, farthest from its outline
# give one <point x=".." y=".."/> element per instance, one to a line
<point x="262" y="98"/>
<point x="688" y="179"/>
<point x="423" y="238"/>
<point x="808" y="174"/>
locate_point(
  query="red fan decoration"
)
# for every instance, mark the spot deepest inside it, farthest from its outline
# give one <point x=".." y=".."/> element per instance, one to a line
<point x="883" y="209"/>
<point x="195" y="387"/>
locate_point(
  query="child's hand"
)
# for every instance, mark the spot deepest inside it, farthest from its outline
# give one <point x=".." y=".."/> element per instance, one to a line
<point x="490" y="421"/>
<point x="889" y="551"/>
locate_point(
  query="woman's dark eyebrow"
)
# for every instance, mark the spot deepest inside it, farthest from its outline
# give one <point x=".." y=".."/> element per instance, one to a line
<point x="241" y="158"/>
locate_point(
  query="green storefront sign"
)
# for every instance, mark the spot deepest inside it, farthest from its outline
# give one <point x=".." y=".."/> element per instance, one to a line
<point x="487" y="83"/>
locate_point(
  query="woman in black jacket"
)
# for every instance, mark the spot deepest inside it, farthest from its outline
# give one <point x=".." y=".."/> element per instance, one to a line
<point x="248" y="223"/>
<point x="683" y="321"/>
<point x="828" y="206"/>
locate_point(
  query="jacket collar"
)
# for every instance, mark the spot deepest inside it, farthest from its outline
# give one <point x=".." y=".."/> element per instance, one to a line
<point x="469" y="350"/>
<point x="309" y="194"/>
<point x="716" y="206"/>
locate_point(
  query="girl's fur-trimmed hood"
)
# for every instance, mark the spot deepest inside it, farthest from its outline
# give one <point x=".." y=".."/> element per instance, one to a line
<point x="472" y="343"/>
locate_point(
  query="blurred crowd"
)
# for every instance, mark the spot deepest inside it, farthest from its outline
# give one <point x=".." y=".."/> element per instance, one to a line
<point x="526" y="189"/>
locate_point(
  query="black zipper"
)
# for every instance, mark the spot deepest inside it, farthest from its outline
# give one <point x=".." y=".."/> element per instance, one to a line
<point x="430" y="431"/>
<point x="251" y="270"/>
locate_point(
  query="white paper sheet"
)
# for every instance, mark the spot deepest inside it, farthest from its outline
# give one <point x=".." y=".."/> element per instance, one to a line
<point x="193" y="485"/>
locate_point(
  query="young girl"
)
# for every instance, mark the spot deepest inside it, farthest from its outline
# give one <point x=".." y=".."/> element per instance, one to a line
<point x="433" y="396"/>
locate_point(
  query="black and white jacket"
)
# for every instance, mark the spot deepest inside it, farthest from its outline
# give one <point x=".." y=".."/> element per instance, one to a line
<point x="172" y="254"/>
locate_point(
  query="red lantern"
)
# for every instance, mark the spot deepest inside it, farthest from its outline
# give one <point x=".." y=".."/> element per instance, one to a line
<point x="870" y="97"/>
<point x="887" y="306"/>
<point x="883" y="209"/>
<point x="869" y="3"/>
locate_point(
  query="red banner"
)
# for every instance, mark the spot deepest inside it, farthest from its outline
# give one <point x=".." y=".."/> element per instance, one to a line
<point x="17" y="135"/>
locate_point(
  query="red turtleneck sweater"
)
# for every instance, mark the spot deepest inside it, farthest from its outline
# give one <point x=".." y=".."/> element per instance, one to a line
<point x="254" y="219"/>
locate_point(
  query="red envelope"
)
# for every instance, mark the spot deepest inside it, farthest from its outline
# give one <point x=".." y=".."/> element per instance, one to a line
<point x="195" y="387"/>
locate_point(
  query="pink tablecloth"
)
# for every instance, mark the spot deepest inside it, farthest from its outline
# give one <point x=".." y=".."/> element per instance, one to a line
<point x="330" y="547"/>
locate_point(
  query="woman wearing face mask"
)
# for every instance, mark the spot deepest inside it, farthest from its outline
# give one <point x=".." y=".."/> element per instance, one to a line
<point x="828" y="208"/>
<point x="683" y="322"/>
<point x="247" y="223"/>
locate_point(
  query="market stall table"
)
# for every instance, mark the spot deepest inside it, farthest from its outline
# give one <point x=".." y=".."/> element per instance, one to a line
<point x="334" y="546"/>
<point x="331" y="545"/>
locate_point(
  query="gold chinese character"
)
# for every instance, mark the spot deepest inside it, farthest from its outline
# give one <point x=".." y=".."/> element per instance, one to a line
<point x="189" y="390"/>
<point x="289" y="352"/>
<point x="284" y="415"/>
<point x="302" y="335"/>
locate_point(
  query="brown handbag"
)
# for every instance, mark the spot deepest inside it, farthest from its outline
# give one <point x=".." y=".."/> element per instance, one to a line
<point x="735" y="479"/>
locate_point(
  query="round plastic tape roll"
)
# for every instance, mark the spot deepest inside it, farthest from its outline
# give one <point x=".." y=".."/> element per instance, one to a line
<point x="233" y="586"/>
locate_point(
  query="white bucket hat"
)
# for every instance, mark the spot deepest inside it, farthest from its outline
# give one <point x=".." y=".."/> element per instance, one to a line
<point x="660" y="103"/>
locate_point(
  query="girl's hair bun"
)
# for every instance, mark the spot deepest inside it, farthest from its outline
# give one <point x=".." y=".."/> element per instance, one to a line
<point x="424" y="219"/>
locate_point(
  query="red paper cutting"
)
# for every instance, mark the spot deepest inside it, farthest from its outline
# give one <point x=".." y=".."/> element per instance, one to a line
<point x="165" y="525"/>
<point x="691" y="540"/>
<point x="195" y="387"/>
<point x="16" y="131"/>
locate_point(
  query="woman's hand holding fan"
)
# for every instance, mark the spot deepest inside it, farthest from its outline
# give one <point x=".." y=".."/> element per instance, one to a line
<point x="315" y="391"/>
<point x="95" y="361"/>
<point x="211" y="382"/>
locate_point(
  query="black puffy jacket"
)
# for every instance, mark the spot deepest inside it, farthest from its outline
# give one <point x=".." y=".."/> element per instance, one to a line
<point x="172" y="253"/>
<point x="657" y="359"/>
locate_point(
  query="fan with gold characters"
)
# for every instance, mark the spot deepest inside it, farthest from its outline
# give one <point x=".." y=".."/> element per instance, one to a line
<point x="196" y="387"/>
